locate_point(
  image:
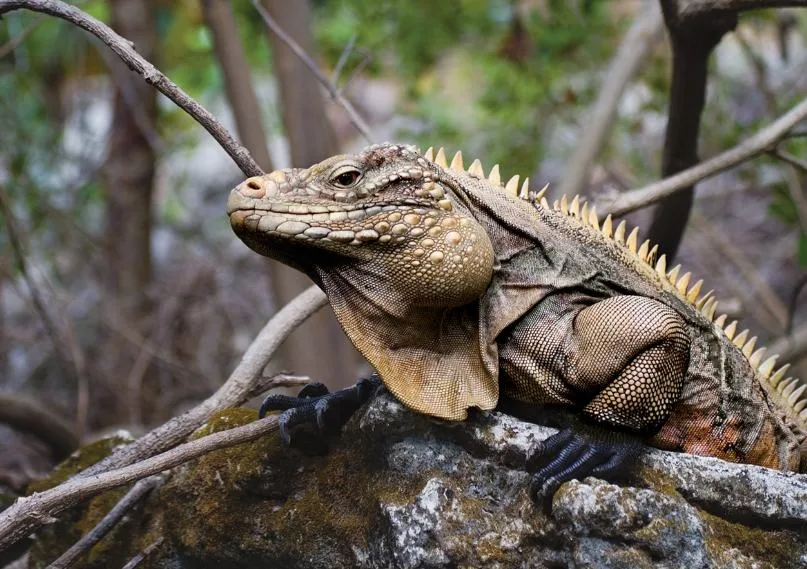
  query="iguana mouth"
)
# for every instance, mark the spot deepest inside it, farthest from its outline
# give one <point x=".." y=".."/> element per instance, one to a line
<point x="269" y="206"/>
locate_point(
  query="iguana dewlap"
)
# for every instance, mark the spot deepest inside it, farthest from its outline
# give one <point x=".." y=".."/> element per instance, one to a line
<point x="455" y="286"/>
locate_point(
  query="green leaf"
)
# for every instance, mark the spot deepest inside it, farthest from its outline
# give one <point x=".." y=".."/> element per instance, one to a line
<point x="802" y="250"/>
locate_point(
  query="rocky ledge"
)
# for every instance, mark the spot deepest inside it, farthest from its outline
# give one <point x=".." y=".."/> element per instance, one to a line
<point x="402" y="490"/>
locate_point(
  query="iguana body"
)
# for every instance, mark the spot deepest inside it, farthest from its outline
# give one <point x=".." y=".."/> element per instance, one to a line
<point x="455" y="287"/>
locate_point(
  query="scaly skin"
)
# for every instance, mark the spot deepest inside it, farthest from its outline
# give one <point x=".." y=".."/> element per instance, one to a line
<point x="454" y="287"/>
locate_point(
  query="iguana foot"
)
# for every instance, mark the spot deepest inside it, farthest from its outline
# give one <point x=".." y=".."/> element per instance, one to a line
<point x="316" y="412"/>
<point x="576" y="453"/>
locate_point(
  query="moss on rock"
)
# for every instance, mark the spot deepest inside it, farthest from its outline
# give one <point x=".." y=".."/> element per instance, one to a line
<point x="57" y="538"/>
<point x="281" y="505"/>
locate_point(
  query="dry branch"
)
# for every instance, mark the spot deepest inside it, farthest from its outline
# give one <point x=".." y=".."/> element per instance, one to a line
<point x="637" y="44"/>
<point x="762" y="141"/>
<point x="137" y="559"/>
<point x="354" y="116"/>
<point x="126" y="51"/>
<point x="137" y="493"/>
<point x="31" y="512"/>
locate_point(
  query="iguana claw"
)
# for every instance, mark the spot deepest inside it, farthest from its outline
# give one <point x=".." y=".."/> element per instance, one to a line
<point x="574" y="453"/>
<point x="316" y="412"/>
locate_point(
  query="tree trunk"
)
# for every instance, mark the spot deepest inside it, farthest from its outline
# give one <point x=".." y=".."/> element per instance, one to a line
<point x="692" y="42"/>
<point x="237" y="79"/>
<point x="319" y="347"/>
<point x="310" y="133"/>
<point x="129" y="179"/>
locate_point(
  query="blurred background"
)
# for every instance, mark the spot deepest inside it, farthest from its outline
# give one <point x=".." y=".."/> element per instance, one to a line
<point x="124" y="296"/>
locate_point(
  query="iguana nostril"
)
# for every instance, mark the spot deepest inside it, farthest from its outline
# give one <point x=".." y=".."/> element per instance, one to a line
<point x="254" y="187"/>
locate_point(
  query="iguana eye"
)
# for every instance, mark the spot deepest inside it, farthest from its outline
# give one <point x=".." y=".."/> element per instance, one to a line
<point x="345" y="177"/>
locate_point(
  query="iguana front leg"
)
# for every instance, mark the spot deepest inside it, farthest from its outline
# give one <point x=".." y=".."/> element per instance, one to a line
<point x="307" y="420"/>
<point x="621" y="362"/>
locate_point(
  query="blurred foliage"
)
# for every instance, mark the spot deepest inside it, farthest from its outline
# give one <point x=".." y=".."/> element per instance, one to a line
<point x="508" y="81"/>
<point x="480" y="74"/>
<point x="497" y="78"/>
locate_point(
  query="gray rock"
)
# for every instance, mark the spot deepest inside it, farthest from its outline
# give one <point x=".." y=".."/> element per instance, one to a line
<point x="401" y="490"/>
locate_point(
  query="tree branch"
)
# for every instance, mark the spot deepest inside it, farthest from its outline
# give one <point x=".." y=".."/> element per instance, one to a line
<point x="688" y="9"/>
<point x="137" y="559"/>
<point x="790" y="347"/>
<point x="790" y="159"/>
<point x="692" y="43"/>
<point x="759" y="143"/>
<point x="126" y="51"/>
<point x="637" y="44"/>
<point x="31" y="512"/>
<point x="354" y="116"/>
<point x="137" y="493"/>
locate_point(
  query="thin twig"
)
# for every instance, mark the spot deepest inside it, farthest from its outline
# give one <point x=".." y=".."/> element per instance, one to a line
<point x="137" y="559"/>
<point x="354" y="116"/>
<point x="137" y="493"/>
<point x="637" y="44"/>
<point x="15" y="42"/>
<point x="266" y="382"/>
<point x="30" y="512"/>
<point x="356" y="70"/>
<point x="794" y="134"/>
<point x="51" y="328"/>
<point x="343" y="57"/>
<point x="790" y="159"/>
<point x="762" y="141"/>
<point x="126" y="51"/>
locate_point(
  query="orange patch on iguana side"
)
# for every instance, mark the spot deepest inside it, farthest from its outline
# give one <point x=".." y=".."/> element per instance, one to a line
<point x="693" y="431"/>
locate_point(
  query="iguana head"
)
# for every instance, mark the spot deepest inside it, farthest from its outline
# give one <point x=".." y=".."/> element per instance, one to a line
<point x="384" y="209"/>
<point x="390" y="238"/>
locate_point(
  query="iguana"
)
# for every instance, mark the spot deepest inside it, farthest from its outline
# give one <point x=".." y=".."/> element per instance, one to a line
<point x="458" y="288"/>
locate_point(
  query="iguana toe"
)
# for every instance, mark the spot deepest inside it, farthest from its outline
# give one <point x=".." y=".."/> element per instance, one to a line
<point x="573" y="453"/>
